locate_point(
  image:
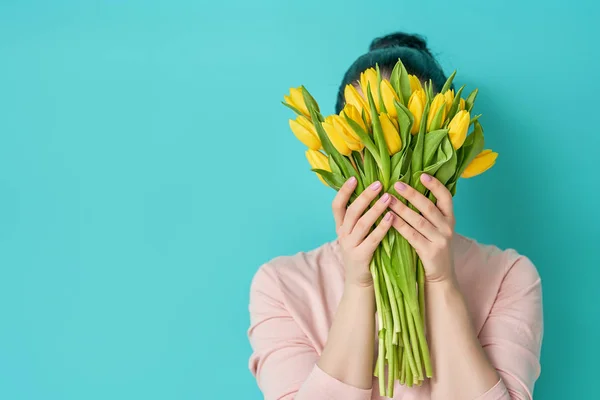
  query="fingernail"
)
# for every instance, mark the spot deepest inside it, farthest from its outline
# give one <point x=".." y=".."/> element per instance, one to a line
<point x="388" y="216"/>
<point x="426" y="177"/>
<point x="351" y="181"/>
<point x="400" y="186"/>
<point x="376" y="185"/>
<point x="385" y="198"/>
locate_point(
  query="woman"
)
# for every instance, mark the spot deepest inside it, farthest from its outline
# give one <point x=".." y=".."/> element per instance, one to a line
<point x="312" y="314"/>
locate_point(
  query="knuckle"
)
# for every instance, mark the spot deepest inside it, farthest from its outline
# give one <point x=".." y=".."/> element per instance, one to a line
<point x="414" y="235"/>
<point x="361" y="225"/>
<point x="421" y="223"/>
<point x="431" y="208"/>
<point x="452" y="221"/>
<point x="446" y="232"/>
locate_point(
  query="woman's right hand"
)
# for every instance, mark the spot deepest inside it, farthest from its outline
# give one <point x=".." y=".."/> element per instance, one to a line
<point x="353" y="227"/>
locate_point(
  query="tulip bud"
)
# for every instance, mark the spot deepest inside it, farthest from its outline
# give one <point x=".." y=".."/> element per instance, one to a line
<point x="318" y="160"/>
<point x="352" y="112"/>
<point x="390" y="133"/>
<point x="350" y="137"/>
<point x="484" y="161"/>
<point x="305" y="132"/>
<point x="458" y="127"/>
<point x="438" y="102"/>
<point x="416" y="105"/>
<point x="415" y="83"/>
<point x="369" y="77"/>
<point x="461" y="104"/>
<point x="296" y="100"/>
<point x="388" y="95"/>
<point x="336" y="137"/>
<point x="449" y="96"/>
<point x="353" y="97"/>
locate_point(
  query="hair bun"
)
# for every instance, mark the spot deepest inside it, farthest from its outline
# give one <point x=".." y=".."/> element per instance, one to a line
<point x="399" y="39"/>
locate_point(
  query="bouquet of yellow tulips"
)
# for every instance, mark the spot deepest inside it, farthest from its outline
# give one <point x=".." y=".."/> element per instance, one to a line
<point x="395" y="131"/>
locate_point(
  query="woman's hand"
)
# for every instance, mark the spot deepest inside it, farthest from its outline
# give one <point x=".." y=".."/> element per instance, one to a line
<point x="430" y="233"/>
<point x="353" y="227"/>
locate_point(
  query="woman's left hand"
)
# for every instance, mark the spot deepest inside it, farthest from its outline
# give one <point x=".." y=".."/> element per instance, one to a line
<point x="430" y="233"/>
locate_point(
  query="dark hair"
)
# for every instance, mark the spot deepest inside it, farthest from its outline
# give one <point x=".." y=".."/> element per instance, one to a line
<point x="385" y="51"/>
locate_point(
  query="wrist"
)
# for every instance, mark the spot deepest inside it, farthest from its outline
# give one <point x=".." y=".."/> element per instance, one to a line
<point x="448" y="286"/>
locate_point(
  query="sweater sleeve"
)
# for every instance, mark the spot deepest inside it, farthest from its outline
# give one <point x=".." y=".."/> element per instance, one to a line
<point x="512" y="334"/>
<point x="283" y="360"/>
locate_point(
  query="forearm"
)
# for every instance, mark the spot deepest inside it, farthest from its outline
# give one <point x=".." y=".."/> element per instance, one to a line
<point x="348" y="354"/>
<point x="461" y="368"/>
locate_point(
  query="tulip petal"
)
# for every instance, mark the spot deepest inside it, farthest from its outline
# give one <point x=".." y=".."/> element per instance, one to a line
<point x="484" y="161"/>
<point x="304" y="135"/>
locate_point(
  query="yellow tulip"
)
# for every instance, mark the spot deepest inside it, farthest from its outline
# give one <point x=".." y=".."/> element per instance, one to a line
<point x="390" y="133"/>
<point x="350" y="137"/>
<point x="336" y="137"/>
<point x="388" y="94"/>
<point x="318" y="160"/>
<point x="354" y="98"/>
<point x="416" y="105"/>
<point x="351" y="112"/>
<point x="449" y="96"/>
<point x="438" y="102"/>
<point x="461" y="104"/>
<point x="296" y="99"/>
<point x="369" y="77"/>
<point x="415" y="83"/>
<point x="484" y="161"/>
<point x="305" y="132"/>
<point x="458" y="127"/>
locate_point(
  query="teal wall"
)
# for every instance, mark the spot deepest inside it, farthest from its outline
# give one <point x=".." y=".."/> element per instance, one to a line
<point x="147" y="170"/>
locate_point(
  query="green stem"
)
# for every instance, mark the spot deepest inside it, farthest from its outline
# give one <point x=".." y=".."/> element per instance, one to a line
<point x="423" y="346"/>
<point x="421" y="290"/>
<point x="392" y="372"/>
<point x="378" y="301"/>
<point x="414" y="343"/>
<point x="393" y="302"/>
<point x="381" y="361"/>
<point x="407" y="345"/>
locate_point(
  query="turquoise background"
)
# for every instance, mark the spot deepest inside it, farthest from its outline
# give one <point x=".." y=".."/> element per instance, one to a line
<point x="147" y="170"/>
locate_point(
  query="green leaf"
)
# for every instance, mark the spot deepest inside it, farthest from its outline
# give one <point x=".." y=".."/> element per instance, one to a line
<point x="455" y="103"/>
<point x="446" y="172"/>
<point x="470" y="101"/>
<point x="364" y="137"/>
<point x="402" y="165"/>
<point x="335" y="181"/>
<point x="358" y="161"/>
<point x="475" y="118"/>
<point x="395" y="80"/>
<point x="404" y="83"/>
<point x="379" y="140"/>
<point x="309" y="100"/>
<point x="418" y="152"/>
<point x="423" y="127"/>
<point x="294" y="109"/>
<point x="432" y="143"/>
<point x="370" y="168"/>
<point x="430" y="90"/>
<point x="334" y="167"/>
<point x="448" y="83"/>
<point x="395" y="163"/>
<point x="405" y="123"/>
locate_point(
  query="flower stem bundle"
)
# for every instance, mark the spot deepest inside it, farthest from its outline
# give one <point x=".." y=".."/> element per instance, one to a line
<point x="389" y="131"/>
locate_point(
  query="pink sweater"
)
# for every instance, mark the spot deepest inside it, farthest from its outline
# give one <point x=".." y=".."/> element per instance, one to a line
<point x="293" y="301"/>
